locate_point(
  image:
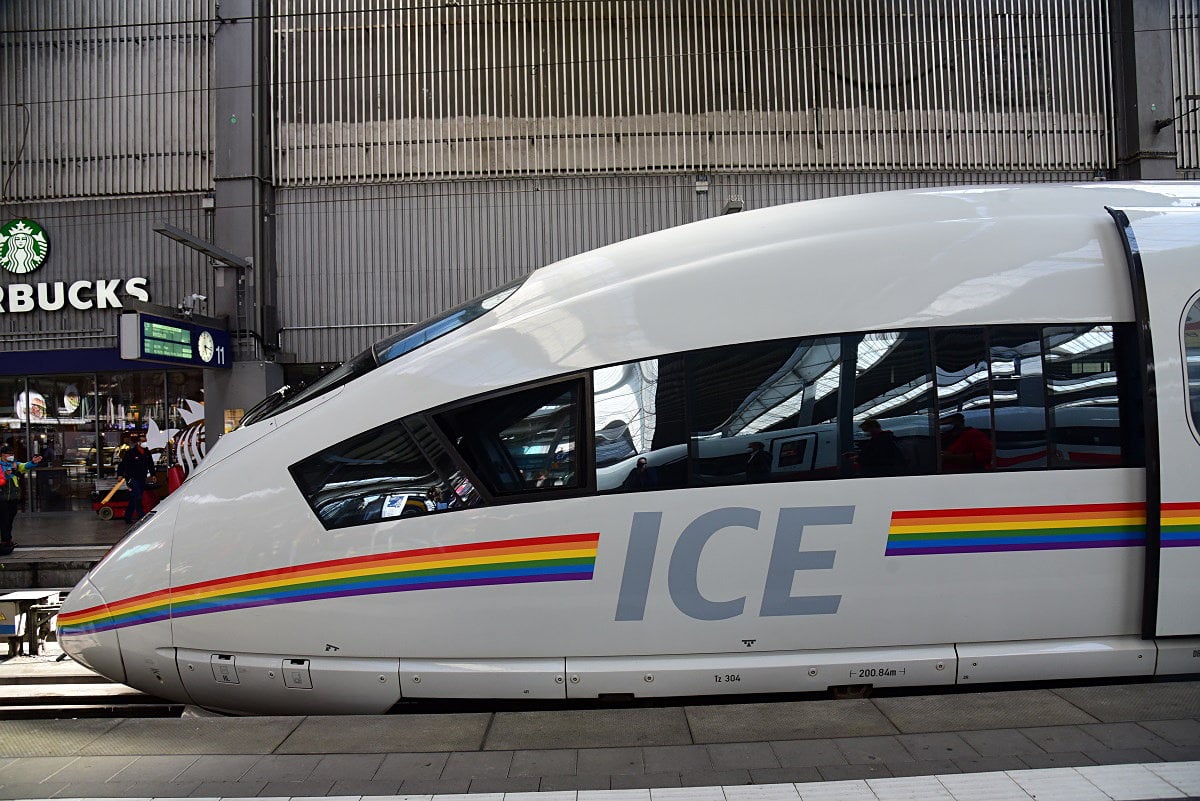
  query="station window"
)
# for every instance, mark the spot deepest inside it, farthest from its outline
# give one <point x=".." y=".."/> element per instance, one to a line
<point x="522" y="442"/>
<point x="374" y="476"/>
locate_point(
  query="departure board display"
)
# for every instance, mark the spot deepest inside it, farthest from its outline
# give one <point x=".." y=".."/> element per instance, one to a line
<point x="152" y="338"/>
<point x="166" y="340"/>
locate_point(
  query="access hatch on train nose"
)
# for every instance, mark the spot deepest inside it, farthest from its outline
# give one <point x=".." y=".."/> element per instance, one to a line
<point x="1162" y="246"/>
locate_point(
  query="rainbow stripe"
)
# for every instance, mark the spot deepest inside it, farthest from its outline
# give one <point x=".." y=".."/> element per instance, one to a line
<point x="1019" y="528"/>
<point x="566" y="557"/>
<point x="1180" y="525"/>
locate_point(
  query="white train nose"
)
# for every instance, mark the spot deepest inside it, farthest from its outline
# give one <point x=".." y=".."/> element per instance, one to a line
<point x="118" y="620"/>
<point x="85" y="632"/>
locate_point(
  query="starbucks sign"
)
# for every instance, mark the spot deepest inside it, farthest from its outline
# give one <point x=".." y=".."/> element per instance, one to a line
<point x="23" y="249"/>
<point x="23" y="246"/>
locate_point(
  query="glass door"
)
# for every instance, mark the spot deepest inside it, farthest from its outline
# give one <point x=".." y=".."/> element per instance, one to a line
<point x="63" y="432"/>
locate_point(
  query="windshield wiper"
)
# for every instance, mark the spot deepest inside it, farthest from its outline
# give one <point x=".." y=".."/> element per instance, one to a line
<point x="261" y="409"/>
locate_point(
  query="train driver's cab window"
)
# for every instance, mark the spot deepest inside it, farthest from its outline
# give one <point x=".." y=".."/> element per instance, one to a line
<point x="764" y="411"/>
<point x="1191" y="350"/>
<point x="373" y="477"/>
<point x="640" y="438"/>
<point x="520" y="443"/>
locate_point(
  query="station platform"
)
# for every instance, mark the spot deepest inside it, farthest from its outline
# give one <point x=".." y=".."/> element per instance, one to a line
<point x="1102" y="741"/>
<point x="56" y="549"/>
<point x="34" y="530"/>
<point x="1083" y="741"/>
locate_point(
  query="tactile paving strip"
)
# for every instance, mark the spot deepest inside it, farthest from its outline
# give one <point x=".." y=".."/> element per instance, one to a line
<point x="29" y="738"/>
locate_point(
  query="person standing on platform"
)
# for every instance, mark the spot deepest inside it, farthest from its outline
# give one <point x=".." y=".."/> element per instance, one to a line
<point x="10" y="494"/>
<point x="136" y="468"/>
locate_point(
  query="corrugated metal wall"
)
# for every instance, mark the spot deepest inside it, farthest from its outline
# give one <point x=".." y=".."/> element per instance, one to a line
<point x="358" y="263"/>
<point x="476" y="89"/>
<point x="429" y="152"/>
<point x="1185" y="25"/>
<point x="105" y="239"/>
<point x="106" y="98"/>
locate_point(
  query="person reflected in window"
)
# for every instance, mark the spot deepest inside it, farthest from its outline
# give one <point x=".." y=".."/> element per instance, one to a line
<point x="641" y="477"/>
<point x="758" y="466"/>
<point x="964" y="449"/>
<point x="440" y="499"/>
<point x="879" y="455"/>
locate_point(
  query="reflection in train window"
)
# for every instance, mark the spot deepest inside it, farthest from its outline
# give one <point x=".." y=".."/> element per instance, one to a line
<point x="851" y="405"/>
<point x="893" y="406"/>
<point x="640" y="438"/>
<point x="764" y="412"/>
<point x="377" y="475"/>
<point x="521" y="442"/>
<point x="1083" y="402"/>
<point x="1018" y="400"/>
<point x="963" y="387"/>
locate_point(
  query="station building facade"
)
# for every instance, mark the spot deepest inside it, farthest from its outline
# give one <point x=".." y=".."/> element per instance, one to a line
<point x="368" y="165"/>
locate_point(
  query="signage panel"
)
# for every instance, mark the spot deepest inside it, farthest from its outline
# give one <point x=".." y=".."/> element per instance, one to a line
<point x="151" y="338"/>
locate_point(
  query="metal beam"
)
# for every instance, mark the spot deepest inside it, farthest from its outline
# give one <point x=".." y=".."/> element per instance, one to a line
<point x="203" y="246"/>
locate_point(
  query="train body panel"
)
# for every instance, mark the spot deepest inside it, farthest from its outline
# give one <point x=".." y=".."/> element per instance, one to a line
<point x="279" y="579"/>
<point x="1164" y="247"/>
<point x="743" y="575"/>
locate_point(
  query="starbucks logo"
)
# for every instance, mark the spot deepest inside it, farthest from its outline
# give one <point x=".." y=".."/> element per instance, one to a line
<point x="23" y="246"/>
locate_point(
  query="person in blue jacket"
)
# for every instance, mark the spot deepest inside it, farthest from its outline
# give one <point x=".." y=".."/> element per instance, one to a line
<point x="10" y="494"/>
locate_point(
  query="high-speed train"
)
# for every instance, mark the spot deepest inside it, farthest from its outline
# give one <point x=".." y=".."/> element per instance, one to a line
<point x="928" y="437"/>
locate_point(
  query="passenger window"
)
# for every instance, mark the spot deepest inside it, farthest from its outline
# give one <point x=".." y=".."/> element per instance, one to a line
<point x="640" y="437"/>
<point x="764" y="412"/>
<point x="893" y="406"/>
<point x="1018" y="399"/>
<point x="964" y="400"/>
<point x="521" y="442"/>
<point x="377" y="475"/>
<point x="1084" y="403"/>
